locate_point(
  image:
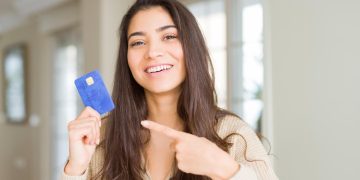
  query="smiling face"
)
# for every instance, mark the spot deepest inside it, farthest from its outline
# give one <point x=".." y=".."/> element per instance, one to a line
<point x="155" y="54"/>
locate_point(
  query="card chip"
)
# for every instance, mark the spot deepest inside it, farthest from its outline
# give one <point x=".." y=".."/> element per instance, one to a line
<point x="89" y="81"/>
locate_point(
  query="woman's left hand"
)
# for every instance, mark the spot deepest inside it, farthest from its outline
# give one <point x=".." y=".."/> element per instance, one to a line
<point x="197" y="155"/>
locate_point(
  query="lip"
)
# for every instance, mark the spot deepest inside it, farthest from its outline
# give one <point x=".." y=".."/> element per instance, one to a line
<point x="154" y="65"/>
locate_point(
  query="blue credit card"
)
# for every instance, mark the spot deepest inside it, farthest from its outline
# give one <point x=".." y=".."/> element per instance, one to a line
<point x="93" y="92"/>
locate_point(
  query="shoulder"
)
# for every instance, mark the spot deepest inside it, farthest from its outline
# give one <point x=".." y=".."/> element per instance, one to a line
<point x="242" y="137"/>
<point x="246" y="148"/>
<point x="236" y="129"/>
<point x="229" y="124"/>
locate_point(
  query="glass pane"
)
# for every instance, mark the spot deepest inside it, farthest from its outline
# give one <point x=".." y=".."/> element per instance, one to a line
<point x="15" y="87"/>
<point x="212" y="21"/>
<point x="65" y="100"/>
<point x="252" y="64"/>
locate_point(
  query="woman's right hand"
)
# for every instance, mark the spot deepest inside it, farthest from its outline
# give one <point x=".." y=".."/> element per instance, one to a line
<point x="84" y="136"/>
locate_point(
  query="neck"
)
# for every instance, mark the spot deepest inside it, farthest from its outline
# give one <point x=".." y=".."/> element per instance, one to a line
<point x="162" y="108"/>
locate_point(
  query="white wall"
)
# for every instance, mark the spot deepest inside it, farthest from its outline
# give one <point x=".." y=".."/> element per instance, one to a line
<point x="100" y="24"/>
<point x="313" y="47"/>
<point x="19" y="142"/>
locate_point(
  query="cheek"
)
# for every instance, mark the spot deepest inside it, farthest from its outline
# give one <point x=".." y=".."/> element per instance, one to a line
<point x="133" y="60"/>
<point x="176" y="51"/>
<point x="179" y="54"/>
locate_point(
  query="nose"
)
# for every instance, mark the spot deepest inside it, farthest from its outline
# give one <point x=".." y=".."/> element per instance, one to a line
<point x="155" y="50"/>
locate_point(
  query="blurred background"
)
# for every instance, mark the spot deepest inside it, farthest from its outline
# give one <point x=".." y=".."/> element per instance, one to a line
<point x="290" y="68"/>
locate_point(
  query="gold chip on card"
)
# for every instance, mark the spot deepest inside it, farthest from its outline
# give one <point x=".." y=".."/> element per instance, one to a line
<point x="89" y="81"/>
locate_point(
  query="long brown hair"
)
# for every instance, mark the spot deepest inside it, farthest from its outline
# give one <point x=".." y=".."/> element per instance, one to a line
<point x="124" y="138"/>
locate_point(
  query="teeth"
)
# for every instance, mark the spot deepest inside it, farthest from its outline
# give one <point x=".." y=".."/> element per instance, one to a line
<point x="158" y="68"/>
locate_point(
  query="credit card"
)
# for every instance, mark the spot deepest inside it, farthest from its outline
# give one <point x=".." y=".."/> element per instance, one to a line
<point x="93" y="92"/>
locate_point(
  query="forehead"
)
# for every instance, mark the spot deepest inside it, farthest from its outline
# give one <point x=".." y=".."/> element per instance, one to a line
<point x="150" y="19"/>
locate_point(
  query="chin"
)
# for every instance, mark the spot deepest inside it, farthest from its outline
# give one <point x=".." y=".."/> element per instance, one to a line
<point x="161" y="89"/>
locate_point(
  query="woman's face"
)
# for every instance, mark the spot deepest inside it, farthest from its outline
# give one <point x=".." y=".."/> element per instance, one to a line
<point x="155" y="54"/>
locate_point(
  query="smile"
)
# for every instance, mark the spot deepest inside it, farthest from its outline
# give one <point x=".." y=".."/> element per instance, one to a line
<point x="159" y="68"/>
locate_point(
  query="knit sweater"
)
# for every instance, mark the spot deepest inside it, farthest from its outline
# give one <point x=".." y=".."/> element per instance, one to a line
<point x="247" y="150"/>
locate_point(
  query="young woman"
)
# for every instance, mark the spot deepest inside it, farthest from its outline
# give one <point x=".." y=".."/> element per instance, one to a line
<point x="166" y="124"/>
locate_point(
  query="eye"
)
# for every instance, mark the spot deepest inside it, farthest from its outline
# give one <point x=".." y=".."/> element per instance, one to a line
<point x="137" y="43"/>
<point x="170" y="36"/>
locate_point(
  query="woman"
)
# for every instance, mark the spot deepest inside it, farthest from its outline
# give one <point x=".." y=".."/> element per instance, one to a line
<point x="166" y="124"/>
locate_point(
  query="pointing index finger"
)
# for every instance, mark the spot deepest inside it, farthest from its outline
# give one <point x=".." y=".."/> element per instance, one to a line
<point x="88" y="111"/>
<point x="162" y="129"/>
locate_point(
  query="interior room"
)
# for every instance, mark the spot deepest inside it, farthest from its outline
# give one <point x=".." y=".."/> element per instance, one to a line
<point x="289" y="68"/>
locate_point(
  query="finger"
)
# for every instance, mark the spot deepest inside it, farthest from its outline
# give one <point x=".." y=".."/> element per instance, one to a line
<point x="79" y="122"/>
<point x="97" y="132"/>
<point x="162" y="129"/>
<point x="94" y="130"/>
<point x="92" y="139"/>
<point x="89" y="112"/>
<point x="84" y="134"/>
<point x="172" y="146"/>
<point x="89" y="138"/>
<point x="90" y="124"/>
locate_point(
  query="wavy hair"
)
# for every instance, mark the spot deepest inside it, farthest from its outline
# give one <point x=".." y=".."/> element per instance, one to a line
<point x="125" y="138"/>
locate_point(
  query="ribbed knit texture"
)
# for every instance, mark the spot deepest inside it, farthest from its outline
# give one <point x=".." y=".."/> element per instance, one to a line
<point x="247" y="150"/>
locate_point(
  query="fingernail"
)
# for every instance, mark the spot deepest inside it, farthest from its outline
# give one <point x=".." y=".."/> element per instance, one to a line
<point x="145" y="123"/>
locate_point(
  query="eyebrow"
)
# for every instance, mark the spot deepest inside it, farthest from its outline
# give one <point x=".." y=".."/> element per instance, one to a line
<point x="162" y="28"/>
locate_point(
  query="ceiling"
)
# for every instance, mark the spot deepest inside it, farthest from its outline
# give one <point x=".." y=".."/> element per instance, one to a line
<point x="14" y="12"/>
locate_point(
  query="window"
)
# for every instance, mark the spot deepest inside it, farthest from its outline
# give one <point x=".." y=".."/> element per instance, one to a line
<point x="66" y="105"/>
<point x="13" y="75"/>
<point x="212" y="21"/>
<point x="233" y="31"/>
<point x="253" y="72"/>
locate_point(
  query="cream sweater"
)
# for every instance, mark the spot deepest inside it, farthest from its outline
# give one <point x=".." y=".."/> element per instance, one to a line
<point x="256" y="165"/>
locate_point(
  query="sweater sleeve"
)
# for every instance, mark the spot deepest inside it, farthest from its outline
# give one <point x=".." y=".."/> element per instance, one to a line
<point x="65" y="176"/>
<point x="68" y="177"/>
<point x="247" y="150"/>
<point x="94" y="167"/>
